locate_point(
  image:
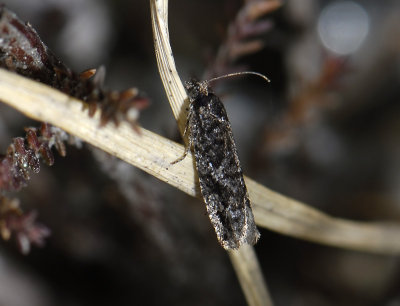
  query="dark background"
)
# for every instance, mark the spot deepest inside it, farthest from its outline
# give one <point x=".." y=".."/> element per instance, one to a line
<point x="325" y="131"/>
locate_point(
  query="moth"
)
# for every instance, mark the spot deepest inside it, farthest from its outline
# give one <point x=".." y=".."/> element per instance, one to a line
<point x="220" y="173"/>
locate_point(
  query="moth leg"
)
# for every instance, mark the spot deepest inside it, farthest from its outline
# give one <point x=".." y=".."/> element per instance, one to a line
<point x="187" y="148"/>
<point x="190" y="141"/>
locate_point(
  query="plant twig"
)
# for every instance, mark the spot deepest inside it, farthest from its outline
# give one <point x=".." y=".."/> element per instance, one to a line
<point x="248" y="271"/>
<point x="154" y="153"/>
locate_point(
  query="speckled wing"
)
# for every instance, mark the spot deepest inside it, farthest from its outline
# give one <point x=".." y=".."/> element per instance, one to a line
<point x="220" y="174"/>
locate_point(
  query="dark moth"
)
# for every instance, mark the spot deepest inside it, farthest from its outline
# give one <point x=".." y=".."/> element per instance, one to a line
<point x="220" y="174"/>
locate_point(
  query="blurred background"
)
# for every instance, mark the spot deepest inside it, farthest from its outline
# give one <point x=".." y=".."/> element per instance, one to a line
<point x="324" y="131"/>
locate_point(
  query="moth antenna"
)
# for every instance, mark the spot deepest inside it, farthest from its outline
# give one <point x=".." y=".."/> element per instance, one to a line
<point x="238" y="73"/>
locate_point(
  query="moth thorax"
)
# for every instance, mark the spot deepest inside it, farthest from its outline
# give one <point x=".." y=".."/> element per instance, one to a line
<point x="203" y="88"/>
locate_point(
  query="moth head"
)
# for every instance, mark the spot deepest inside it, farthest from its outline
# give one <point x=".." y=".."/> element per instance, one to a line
<point x="195" y="88"/>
